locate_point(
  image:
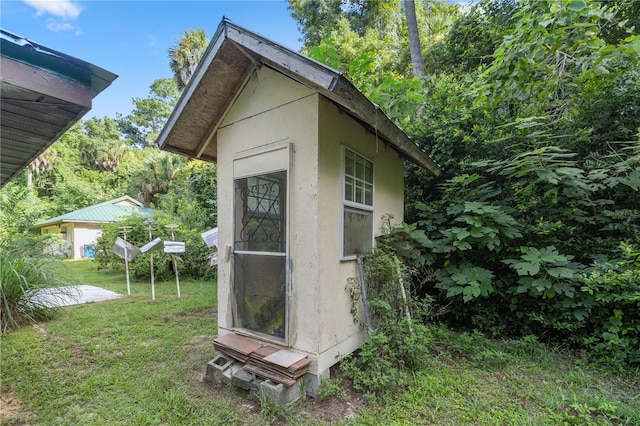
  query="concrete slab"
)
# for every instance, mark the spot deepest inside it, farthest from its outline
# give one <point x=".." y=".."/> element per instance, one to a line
<point x="74" y="295"/>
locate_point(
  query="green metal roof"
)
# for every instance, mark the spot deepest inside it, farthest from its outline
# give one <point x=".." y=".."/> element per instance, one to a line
<point x="105" y="212"/>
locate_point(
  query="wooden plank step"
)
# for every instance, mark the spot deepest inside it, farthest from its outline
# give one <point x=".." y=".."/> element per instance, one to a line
<point x="271" y="375"/>
<point x="237" y="343"/>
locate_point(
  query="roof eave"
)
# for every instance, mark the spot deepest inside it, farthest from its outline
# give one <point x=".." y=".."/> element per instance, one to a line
<point x="327" y="81"/>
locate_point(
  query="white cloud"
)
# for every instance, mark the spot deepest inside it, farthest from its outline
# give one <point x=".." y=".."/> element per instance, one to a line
<point x="65" y="9"/>
<point x="59" y="26"/>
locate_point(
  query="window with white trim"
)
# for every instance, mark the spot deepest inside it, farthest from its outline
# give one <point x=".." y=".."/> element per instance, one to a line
<point x="357" y="204"/>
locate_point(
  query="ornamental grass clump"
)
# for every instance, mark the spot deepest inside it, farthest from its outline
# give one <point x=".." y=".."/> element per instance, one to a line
<point x="24" y="278"/>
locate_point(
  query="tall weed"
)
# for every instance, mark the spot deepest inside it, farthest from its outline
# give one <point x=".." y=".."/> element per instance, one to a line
<point x="23" y="277"/>
<point x="398" y="341"/>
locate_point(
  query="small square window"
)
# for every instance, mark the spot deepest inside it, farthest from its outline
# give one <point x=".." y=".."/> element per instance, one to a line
<point x="357" y="205"/>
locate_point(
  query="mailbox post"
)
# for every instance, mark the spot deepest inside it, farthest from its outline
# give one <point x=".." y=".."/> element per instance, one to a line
<point x="150" y="224"/>
<point x="124" y="230"/>
<point x="172" y="228"/>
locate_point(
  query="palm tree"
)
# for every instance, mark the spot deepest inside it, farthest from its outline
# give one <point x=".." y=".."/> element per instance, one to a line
<point x="160" y="171"/>
<point x="414" y="38"/>
<point x="185" y="55"/>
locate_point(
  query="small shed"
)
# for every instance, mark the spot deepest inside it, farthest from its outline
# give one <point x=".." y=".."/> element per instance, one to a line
<point x="81" y="228"/>
<point x="307" y="168"/>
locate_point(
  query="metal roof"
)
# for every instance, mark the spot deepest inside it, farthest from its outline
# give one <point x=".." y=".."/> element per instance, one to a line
<point x="232" y="56"/>
<point x="43" y="92"/>
<point x="105" y="212"/>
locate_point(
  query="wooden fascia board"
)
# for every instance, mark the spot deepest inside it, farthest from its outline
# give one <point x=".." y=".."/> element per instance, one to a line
<point x="283" y="59"/>
<point x="44" y="82"/>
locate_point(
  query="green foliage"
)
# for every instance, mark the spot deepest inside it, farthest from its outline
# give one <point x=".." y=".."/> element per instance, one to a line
<point x="23" y="277"/>
<point x="193" y="263"/>
<point x="143" y="125"/>
<point x="551" y="45"/>
<point x="606" y="313"/>
<point x="185" y="55"/>
<point x="20" y="208"/>
<point x="318" y="19"/>
<point x="156" y="176"/>
<point x="368" y="40"/>
<point x="544" y="272"/>
<point x="398" y="343"/>
<point x="547" y="198"/>
<point x="193" y="196"/>
<point x="331" y="388"/>
<point x="473" y="37"/>
<point x="466" y="280"/>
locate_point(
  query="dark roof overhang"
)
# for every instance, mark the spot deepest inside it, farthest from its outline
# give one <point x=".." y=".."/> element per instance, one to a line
<point x="43" y="92"/>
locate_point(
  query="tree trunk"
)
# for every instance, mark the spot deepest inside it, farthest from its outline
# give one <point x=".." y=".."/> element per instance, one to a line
<point x="414" y="38"/>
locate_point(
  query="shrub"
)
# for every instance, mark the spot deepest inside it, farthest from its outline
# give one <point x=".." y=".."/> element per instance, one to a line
<point x="532" y="245"/>
<point x="193" y="263"/>
<point x="398" y="343"/>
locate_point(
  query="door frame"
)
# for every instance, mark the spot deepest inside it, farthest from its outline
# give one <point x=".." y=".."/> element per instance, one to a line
<point x="250" y="163"/>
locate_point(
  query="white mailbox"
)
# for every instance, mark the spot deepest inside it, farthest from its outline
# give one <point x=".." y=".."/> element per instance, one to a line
<point x="174" y="247"/>
<point x="210" y="237"/>
<point x="152" y="246"/>
<point x="121" y="247"/>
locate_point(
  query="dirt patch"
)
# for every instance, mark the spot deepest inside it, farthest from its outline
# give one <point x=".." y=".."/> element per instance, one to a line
<point x="334" y="409"/>
<point x="9" y="404"/>
<point x="40" y="329"/>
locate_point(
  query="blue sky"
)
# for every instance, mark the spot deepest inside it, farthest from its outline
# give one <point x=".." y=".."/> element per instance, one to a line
<point x="131" y="38"/>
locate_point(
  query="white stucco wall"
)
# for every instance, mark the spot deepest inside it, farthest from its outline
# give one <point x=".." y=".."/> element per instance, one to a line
<point x="84" y="233"/>
<point x="76" y="235"/>
<point x="338" y="335"/>
<point x="273" y="109"/>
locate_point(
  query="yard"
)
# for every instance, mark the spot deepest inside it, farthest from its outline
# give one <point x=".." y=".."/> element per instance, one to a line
<point x="136" y="361"/>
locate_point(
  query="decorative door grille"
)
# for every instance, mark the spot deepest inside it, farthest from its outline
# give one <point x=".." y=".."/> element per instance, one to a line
<point x="262" y="204"/>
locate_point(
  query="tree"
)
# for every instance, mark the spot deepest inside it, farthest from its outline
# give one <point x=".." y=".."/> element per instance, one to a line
<point x="185" y="55"/>
<point x="149" y="115"/>
<point x="193" y="196"/>
<point x="370" y="42"/>
<point x="157" y="176"/>
<point x="20" y="208"/>
<point x="414" y="38"/>
<point x="471" y="39"/>
<point x="42" y="163"/>
<point x="315" y="18"/>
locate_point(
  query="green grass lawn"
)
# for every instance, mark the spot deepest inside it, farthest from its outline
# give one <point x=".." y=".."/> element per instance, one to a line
<point x="134" y="361"/>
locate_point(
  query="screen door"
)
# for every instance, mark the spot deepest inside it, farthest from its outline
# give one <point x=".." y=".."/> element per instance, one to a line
<point x="260" y="253"/>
